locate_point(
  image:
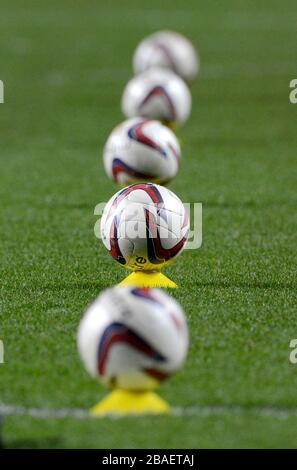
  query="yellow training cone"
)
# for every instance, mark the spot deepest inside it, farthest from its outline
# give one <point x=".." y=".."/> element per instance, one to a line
<point x="148" y="279"/>
<point x="124" y="402"/>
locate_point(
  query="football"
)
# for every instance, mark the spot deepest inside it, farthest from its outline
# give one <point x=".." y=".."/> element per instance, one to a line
<point x="131" y="338"/>
<point x="157" y="94"/>
<point x="167" y="49"/>
<point x="144" y="226"/>
<point x="140" y="149"/>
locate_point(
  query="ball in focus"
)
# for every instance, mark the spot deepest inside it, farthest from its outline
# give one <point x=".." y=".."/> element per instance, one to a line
<point x="144" y="226"/>
<point x="131" y="338"/>
<point x="141" y="150"/>
<point x="170" y="50"/>
<point x="157" y="94"/>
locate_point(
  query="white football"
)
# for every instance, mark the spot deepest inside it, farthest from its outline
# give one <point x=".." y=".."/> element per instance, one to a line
<point x="140" y="149"/>
<point x="144" y="226"/>
<point x="131" y="338"/>
<point x="170" y="50"/>
<point x="157" y="94"/>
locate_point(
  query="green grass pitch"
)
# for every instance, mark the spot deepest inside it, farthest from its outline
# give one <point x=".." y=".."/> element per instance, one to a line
<point x="64" y="66"/>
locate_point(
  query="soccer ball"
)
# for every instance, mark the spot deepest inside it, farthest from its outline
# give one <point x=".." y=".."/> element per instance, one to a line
<point x="141" y="150"/>
<point x="157" y="94"/>
<point x="131" y="338"/>
<point x="144" y="226"/>
<point x="170" y="50"/>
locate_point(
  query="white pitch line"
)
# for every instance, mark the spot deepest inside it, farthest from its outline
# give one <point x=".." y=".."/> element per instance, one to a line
<point x="198" y="410"/>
